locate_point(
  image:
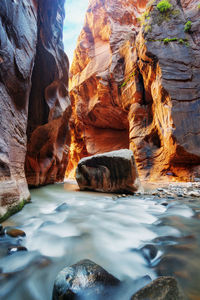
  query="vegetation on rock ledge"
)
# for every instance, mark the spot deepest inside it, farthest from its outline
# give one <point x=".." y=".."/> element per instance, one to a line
<point x="126" y="81"/>
<point x="188" y="26"/>
<point x="13" y="210"/>
<point x="163" y="6"/>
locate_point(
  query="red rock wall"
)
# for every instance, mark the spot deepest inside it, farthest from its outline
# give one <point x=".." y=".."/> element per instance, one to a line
<point x="49" y="106"/>
<point x="33" y="92"/>
<point x="128" y="86"/>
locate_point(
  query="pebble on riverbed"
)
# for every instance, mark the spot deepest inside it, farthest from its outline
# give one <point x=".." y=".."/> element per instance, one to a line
<point x="14" y="232"/>
<point x="14" y="249"/>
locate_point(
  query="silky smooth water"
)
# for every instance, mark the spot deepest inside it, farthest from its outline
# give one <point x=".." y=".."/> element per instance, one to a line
<point x="64" y="225"/>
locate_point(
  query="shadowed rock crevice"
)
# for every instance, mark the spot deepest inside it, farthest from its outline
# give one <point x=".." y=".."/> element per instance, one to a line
<point x="49" y="104"/>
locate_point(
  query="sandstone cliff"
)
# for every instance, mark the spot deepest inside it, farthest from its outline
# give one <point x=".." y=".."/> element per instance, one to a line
<point x="49" y="106"/>
<point x="135" y="83"/>
<point x="33" y="93"/>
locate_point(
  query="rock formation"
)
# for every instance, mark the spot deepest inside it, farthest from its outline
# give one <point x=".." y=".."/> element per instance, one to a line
<point x="135" y="82"/>
<point x="50" y="107"/>
<point x="84" y="280"/>
<point x="33" y="93"/>
<point x="87" y="280"/>
<point x="162" y="288"/>
<point x="113" y="171"/>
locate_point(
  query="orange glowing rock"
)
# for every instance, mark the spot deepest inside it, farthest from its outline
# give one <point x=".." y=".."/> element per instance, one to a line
<point x="131" y="89"/>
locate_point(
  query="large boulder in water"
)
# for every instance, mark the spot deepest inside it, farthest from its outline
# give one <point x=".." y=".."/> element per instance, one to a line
<point x="84" y="280"/>
<point x="114" y="171"/>
<point x="162" y="288"/>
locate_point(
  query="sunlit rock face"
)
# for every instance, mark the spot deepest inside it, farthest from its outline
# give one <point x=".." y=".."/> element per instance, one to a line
<point x="131" y="87"/>
<point x="33" y="92"/>
<point x="50" y="107"/>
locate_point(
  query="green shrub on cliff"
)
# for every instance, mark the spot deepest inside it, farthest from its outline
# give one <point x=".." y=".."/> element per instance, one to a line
<point x="167" y="40"/>
<point x="188" y="26"/>
<point x="163" y="6"/>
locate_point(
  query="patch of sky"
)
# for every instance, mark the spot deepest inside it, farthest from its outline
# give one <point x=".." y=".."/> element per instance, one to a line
<point x="74" y="18"/>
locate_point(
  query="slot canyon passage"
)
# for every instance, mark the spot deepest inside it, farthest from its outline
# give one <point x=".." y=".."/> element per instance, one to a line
<point x="124" y="121"/>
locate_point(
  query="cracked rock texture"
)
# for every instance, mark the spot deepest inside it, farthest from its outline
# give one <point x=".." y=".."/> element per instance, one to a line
<point x="132" y="88"/>
<point x="33" y="95"/>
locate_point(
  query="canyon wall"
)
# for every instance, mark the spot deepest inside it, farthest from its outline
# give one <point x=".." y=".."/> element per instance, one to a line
<point x="34" y="98"/>
<point x="49" y="104"/>
<point x="134" y="82"/>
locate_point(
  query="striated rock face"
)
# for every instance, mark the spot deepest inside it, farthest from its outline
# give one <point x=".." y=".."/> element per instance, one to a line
<point x="18" y="38"/>
<point x="113" y="171"/>
<point x="33" y="92"/>
<point x="135" y="82"/>
<point x="50" y="107"/>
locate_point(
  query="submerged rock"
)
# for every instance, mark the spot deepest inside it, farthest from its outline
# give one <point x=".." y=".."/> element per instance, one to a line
<point x="162" y="288"/>
<point x="14" y="232"/>
<point x="14" y="249"/>
<point x="149" y="252"/>
<point x="114" y="171"/>
<point x="84" y="279"/>
<point x="1" y="230"/>
<point x="61" y="207"/>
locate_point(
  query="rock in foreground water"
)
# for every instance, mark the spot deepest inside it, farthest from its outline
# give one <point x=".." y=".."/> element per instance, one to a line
<point x="162" y="288"/>
<point x="84" y="279"/>
<point x="114" y="171"/>
<point x="14" y="232"/>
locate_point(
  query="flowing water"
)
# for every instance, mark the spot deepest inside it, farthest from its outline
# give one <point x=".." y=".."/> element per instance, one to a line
<point x="130" y="236"/>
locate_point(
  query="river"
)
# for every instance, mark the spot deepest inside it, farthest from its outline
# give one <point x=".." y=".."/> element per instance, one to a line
<point x="64" y="225"/>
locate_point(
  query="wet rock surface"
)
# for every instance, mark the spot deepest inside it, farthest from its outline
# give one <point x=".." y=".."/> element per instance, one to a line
<point x="14" y="232"/>
<point x="1" y="230"/>
<point x="114" y="171"/>
<point x="149" y="252"/>
<point x="162" y="288"/>
<point x="11" y="241"/>
<point x="84" y="280"/>
<point x="14" y="249"/>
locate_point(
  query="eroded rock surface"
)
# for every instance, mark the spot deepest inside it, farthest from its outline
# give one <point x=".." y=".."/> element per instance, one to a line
<point x="33" y="93"/>
<point x="18" y="38"/>
<point x="135" y="82"/>
<point x="114" y="171"/>
<point x="50" y="107"/>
